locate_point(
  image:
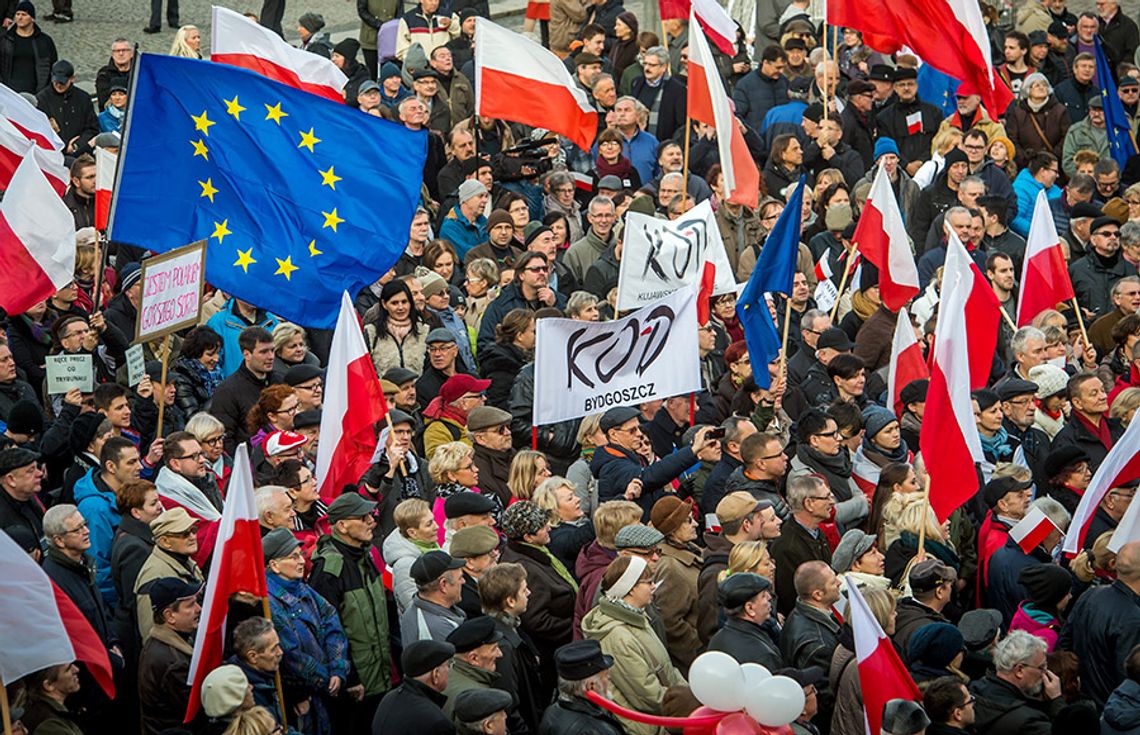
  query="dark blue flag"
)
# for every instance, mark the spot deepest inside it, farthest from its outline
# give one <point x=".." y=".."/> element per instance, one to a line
<point x="1120" y="143"/>
<point x="938" y="89"/>
<point x="774" y="272"/>
<point x="298" y="197"/>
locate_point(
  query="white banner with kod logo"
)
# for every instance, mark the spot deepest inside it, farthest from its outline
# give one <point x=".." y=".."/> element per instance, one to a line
<point x="658" y="256"/>
<point x="590" y="367"/>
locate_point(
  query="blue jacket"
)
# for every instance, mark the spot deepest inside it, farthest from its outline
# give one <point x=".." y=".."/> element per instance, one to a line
<point x="755" y="94"/>
<point x="96" y="502"/>
<point x="1122" y="710"/>
<point x="229" y="324"/>
<point x="616" y="467"/>
<point x="1004" y="592"/>
<point x="641" y="150"/>
<point x="509" y="298"/>
<point x="1025" y="188"/>
<point x="461" y="232"/>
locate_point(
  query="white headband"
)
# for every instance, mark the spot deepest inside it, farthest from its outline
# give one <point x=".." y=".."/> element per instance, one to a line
<point x="628" y="579"/>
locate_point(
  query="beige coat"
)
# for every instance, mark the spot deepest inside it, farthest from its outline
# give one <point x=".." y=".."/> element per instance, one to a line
<point x="159" y="564"/>
<point x="677" y="599"/>
<point x="565" y="17"/>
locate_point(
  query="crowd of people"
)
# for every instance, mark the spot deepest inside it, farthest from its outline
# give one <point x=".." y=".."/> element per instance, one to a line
<point x="484" y="575"/>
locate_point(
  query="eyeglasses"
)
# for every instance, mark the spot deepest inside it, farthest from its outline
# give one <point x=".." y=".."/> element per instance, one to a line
<point x="970" y="700"/>
<point x="440" y="349"/>
<point x="291" y="409"/>
<point x="77" y="529"/>
<point x="197" y="455"/>
<point x="213" y="441"/>
<point x="311" y="388"/>
<point x="537" y="269"/>
<point x="837" y="434"/>
<point x="773" y="456"/>
<point x="969" y="147"/>
<point x="473" y="396"/>
<point x="828" y="497"/>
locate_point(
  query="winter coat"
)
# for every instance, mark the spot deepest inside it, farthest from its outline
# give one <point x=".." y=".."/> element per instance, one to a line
<point x="161" y="563"/>
<point x="500" y="363"/>
<point x="45" y="716"/>
<point x="348" y="579"/>
<point x="873" y="342"/>
<point x="164" y="666"/>
<point x="602" y="275"/>
<point x="1102" y="628"/>
<point x="676" y="599"/>
<point x="578" y="716"/>
<point x="1002" y="709"/>
<point x="912" y="146"/>
<point x="388" y="353"/>
<point x="565" y="18"/>
<point x="399" y="554"/>
<point x="906" y="190"/>
<point x="373" y="14"/>
<point x="191" y="394"/>
<point x="233" y="399"/>
<point x="568" y="539"/>
<point x="1094" y="276"/>
<point x="77" y="580"/>
<point x="550" y="613"/>
<point x="132" y="545"/>
<point x="12" y="393"/>
<point x="1052" y="119"/>
<point x="1025" y="188"/>
<point x="982" y="120"/>
<point x="426" y="620"/>
<point x="426" y="32"/>
<point x="97" y="504"/>
<point x="670" y="106"/>
<point x="582" y="253"/>
<point x="616" y="467"/>
<point x="760" y="489"/>
<point x="755" y="94"/>
<point x="588" y="569"/>
<point x="1082" y="136"/>
<point x="1044" y="625"/>
<point x="1122" y="710"/>
<point x="412" y="707"/>
<point x="461" y="232"/>
<point x="911" y="616"/>
<point x="229" y="324"/>
<point x="494" y="467"/>
<point x="518" y="670"/>
<point x="510" y="297"/>
<point x="793" y="547"/>
<point x="737" y="233"/>
<point x="932" y="202"/>
<point x="747" y="642"/>
<point x="44" y="55"/>
<point x="809" y="637"/>
<point x="558" y="441"/>
<point x="843" y="681"/>
<point x="642" y="670"/>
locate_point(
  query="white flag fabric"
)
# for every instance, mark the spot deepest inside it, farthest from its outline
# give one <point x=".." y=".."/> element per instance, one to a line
<point x="658" y="256"/>
<point x="32" y="636"/>
<point x="589" y="367"/>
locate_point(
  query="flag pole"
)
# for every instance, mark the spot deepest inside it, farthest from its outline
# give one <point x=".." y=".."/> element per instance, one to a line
<point x="842" y="286"/>
<point x="276" y="674"/>
<point x="1009" y="319"/>
<point x="922" y="527"/>
<point x="162" y="398"/>
<point x="4" y="709"/>
<point x="97" y="288"/>
<point x="784" y="340"/>
<point x="685" y="181"/>
<point x="1081" y="322"/>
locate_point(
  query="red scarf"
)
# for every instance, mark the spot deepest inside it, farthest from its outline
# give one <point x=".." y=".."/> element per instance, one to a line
<point x="1100" y="431"/>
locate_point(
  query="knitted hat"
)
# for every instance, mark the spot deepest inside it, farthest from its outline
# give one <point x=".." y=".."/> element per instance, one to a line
<point x="471" y="188"/>
<point x="83" y="431"/>
<point x="311" y="22"/>
<point x="876" y="418"/>
<point x="26" y="7"/>
<point x="388" y="70"/>
<point x="935" y="644"/>
<point x="131" y="274"/>
<point x="956" y="155"/>
<point x="348" y="48"/>
<point x="1046" y="584"/>
<point x="522" y="518"/>
<point x="884" y="146"/>
<point x="26" y="417"/>
<point x="432" y="284"/>
<point x="499" y="217"/>
<point x="670" y="513"/>
<point x="1050" y="379"/>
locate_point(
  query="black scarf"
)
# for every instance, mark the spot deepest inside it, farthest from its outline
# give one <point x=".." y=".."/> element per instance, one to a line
<point x="836" y="470"/>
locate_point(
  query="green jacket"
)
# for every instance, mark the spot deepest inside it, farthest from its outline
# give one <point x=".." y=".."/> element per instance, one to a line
<point x="373" y="14"/>
<point x="464" y="676"/>
<point x="1082" y="136"/>
<point x="349" y="580"/>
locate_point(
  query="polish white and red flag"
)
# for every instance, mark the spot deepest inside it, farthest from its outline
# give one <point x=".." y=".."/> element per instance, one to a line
<point x="1044" y="276"/>
<point x="708" y="103"/>
<point x="907" y="363"/>
<point x="237" y="565"/>
<point x="518" y="80"/>
<point x="1030" y="531"/>
<point x="37" y="239"/>
<point x="1121" y="466"/>
<point x="238" y="41"/>
<point x="718" y="24"/>
<point x="882" y="675"/>
<point x="49" y="627"/>
<point x="964" y="344"/>
<point x="32" y="123"/>
<point x="15" y="145"/>
<point x="881" y="238"/>
<point x="914" y="123"/>
<point x="1127" y="531"/>
<point x="353" y="405"/>
<point x="105" y="162"/>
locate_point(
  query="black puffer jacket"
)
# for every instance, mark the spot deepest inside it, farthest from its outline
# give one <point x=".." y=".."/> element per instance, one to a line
<point x="501" y="363"/>
<point x="558" y="441"/>
<point x="44" y="52"/>
<point x="1102" y="628"/>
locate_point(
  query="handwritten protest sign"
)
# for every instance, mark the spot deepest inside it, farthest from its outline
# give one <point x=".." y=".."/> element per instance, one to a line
<point x="172" y="286"/>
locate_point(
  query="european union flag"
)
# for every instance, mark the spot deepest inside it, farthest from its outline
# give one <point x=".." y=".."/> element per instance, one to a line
<point x="938" y="89"/>
<point x="775" y="269"/>
<point x="299" y="198"/>
<point x="1116" y="125"/>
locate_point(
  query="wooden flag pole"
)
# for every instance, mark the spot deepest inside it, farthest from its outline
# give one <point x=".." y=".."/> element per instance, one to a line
<point x="842" y="286"/>
<point x="922" y="526"/>
<point x="685" y="181"/>
<point x="1081" y="322"/>
<point x="276" y="674"/>
<point x="97" y="287"/>
<point x="784" y="340"/>
<point x="162" y="398"/>
<point x="1008" y="319"/>
<point x="4" y="709"/>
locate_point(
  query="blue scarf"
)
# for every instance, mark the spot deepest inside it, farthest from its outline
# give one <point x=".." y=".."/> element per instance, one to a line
<point x="292" y="586"/>
<point x="997" y="446"/>
<point x="209" y="378"/>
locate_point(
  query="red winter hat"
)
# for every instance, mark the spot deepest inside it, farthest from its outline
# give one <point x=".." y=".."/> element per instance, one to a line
<point x="461" y="383"/>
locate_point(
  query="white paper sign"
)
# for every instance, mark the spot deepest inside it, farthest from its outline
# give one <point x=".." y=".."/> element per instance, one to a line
<point x="171" y="291"/>
<point x="136" y="364"/>
<point x="658" y="256"/>
<point x="590" y="367"/>
<point x="65" y="372"/>
<point x="826" y="294"/>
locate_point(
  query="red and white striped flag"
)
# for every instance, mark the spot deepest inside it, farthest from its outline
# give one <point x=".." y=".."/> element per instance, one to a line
<point x="914" y="123"/>
<point x="718" y="24"/>
<point x="882" y="239"/>
<point x="1044" y="276"/>
<point x="239" y="41"/>
<point x="37" y="239"/>
<point x="1127" y="531"/>
<point x="15" y="145"/>
<point x="1030" y="531"/>
<point x="353" y="405"/>
<point x="907" y="363"/>
<point x="518" y="80"/>
<point x="31" y="627"/>
<point x="823" y="267"/>
<point x="237" y="566"/>
<point x="105" y="162"/>
<point x="28" y="119"/>
<point x="964" y="342"/>
<point x="708" y="103"/>
<point x="1122" y="465"/>
<point x="882" y="676"/>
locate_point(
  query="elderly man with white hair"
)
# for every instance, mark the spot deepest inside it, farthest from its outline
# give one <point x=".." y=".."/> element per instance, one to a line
<point x="274" y="508"/>
<point x="1022" y="696"/>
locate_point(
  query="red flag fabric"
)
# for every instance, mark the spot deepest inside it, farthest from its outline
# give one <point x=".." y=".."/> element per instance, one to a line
<point x="32" y="123"/>
<point x="708" y="283"/>
<point x="882" y="676"/>
<point x="1030" y="531"/>
<point x="906" y="364"/>
<point x="237" y="566"/>
<point x="16" y="144"/>
<point x="708" y="103"/>
<point x="1044" y="276"/>
<point x="88" y="646"/>
<point x="950" y="35"/>
<point x="105" y="162"/>
<point x="882" y="239"/>
<point x="353" y="405"/>
<point x="674" y="9"/>
<point x="965" y="339"/>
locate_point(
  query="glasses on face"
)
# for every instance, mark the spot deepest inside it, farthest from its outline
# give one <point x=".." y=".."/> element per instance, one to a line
<point x="313" y="388"/>
<point x="214" y="441"/>
<point x="537" y="269"/>
<point x="197" y="455"/>
<point x="564" y="190"/>
<point x="441" y="349"/>
<point x="77" y="529"/>
<point x="474" y="396"/>
<point x="837" y="434"/>
<point x="289" y="409"/>
<point x="825" y="498"/>
<point x="973" y="147"/>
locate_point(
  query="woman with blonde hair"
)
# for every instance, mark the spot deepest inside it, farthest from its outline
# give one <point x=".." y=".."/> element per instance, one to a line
<point x="290" y="348"/>
<point x="253" y="721"/>
<point x="187" y="43"/>
<point x="903" y="518"/>
<point x="416" y="534"/>
<point x="528" y="469"/>
<point x="452" y="469"/>
<point x="752" y="557"/>
<point x="843" y="675"/>
<point x="1124" y="405"/>
<point x="570" y="528"/>
<point x="944" y="140"/>
<point x="590" y="437"/>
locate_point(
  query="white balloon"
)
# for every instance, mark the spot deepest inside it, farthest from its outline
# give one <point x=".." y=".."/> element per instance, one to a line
<point x="717" y="681"/>
<point x="774" y="702"/>
<point x="753" y="674"/>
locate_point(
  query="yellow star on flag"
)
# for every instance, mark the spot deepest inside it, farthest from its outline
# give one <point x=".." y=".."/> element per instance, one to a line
<point x="233" y="108"/>
<point x="285" y="267"/>
<point x="331" y="219"/>
<point x="245" y="259"/>
<point x="200" y="149"/>
<point x="329" y="178"/>
<point x="208" y="189"/>
<point x="202" y="123"/>
<point x="275" y="113"/>
<point x="313" y="252"/>
<point x="308" y="140"/>
<point x="221" y="230"/>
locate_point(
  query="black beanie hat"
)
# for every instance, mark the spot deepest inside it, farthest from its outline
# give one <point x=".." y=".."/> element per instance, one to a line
<point x="1046" y="584"/>
<point x="26" y="417"/>
<point x="955" y="155"/>
<point x="83" y="430"/>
